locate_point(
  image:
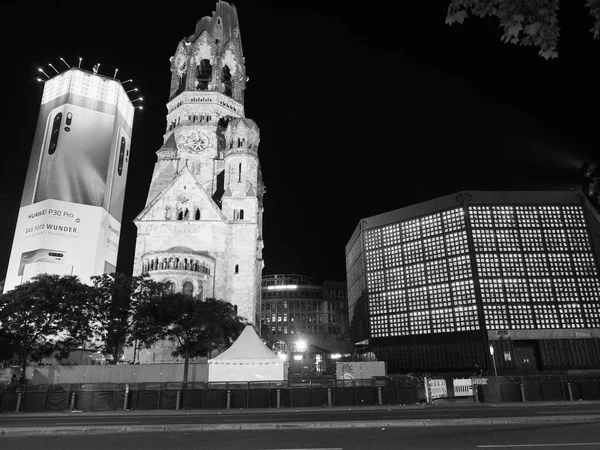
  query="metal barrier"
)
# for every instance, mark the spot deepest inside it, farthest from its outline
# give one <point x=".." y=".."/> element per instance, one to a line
<point x="463" y="387"/>
<point x="437" y="388"/>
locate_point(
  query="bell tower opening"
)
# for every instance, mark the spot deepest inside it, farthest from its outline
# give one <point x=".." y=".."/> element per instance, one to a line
<point x="226" y="79"/>
<point x="203" y="75"/>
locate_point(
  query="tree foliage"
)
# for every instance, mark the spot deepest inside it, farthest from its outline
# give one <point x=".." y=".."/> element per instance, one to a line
<point x="46" y="315"/>
<point x="116" y="300"/>
<point x="524" y="22"/>
<point x="196" y="327"/>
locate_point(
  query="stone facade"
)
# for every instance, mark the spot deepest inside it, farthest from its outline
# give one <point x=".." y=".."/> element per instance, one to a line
<point x="201" y="229"/>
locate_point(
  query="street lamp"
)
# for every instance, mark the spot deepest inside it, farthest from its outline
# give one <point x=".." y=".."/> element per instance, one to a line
<point x="493" y="359"/>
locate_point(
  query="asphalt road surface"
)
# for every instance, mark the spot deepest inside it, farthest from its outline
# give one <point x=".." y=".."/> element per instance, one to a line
<point x="139" y="418"/>
<point x="494" y="437"/>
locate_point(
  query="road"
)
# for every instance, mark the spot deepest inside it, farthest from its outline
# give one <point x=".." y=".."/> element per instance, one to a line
<point x="495" y="437"/>
<point x="291" y="415"/>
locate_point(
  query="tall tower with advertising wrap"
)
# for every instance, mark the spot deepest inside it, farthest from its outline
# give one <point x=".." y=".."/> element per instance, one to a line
<point x="70" y="216"/>
<point x="201" y="230"/>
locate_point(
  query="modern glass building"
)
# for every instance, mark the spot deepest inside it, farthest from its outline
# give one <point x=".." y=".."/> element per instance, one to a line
<point x="461" y="279"/>
<point x="298" y="309"/>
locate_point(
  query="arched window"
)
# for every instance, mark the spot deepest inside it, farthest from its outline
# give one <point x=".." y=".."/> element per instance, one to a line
<point x="197" y="217"/>
<point x="226" y="79"/>
<point x="186" y="214"/>
<point x="240" y="173"/>
<point x="236" y="214"/>
<point x="188" y="289"/>
<point x="180" y="215"/>
<point x="169" y="287"/>
<point x="241" y="214"/>
<point x="237" y="268"/>
<point x="203" y="75"/>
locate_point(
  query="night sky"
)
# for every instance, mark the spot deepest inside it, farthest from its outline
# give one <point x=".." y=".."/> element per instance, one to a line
<point x="361" y="110"/>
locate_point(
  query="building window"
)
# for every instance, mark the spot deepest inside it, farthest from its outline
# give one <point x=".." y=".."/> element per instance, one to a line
<point x="188" y="289"/>
<point x="237" y="268"/>
<point x="203" y="75"/>
<point x="226" y="77"/>
<point x="241" y="214"/>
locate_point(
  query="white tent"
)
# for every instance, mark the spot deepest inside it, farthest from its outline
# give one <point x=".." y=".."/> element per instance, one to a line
<point x="248" y="359"/>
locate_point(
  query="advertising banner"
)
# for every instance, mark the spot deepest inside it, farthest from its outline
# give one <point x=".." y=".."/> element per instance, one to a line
<point x="62" y="238"/>
<point x="72" y="203"/>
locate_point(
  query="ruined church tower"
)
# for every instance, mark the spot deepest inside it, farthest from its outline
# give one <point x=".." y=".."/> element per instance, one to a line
<point x="201" y="229"/>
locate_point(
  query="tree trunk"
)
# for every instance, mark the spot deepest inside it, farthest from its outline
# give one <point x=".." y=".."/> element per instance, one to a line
<point x="23" y="368"/>
<point x="186" y="365"/>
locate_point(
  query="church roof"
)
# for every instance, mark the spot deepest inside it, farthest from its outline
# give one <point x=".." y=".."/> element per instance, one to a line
<point x="247" y="346"/>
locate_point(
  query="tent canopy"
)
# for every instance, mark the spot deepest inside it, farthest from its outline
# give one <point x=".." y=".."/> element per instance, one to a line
<point x="247" y="347"/>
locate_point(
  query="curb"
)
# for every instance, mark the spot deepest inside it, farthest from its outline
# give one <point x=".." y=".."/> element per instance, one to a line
<point x="75" y="430"/>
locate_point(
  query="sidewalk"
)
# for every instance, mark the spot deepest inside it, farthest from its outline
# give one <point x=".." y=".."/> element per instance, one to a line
<point x="439" y="405"/>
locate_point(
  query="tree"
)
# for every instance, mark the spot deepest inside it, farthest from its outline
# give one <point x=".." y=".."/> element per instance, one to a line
<point x="47" y="315"/>
<point x="117" y="298"/>
<point x="196" y="327"/>
<point x="525" y="22"/>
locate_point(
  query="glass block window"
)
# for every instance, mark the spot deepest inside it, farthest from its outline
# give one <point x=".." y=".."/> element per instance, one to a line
<point x="592" y="315"/>
<point x="391" y="234"/>
<point x="571" y="315"/>
<point x="546" y="316"/>
<point x="481" y="216"/>
<point x="527" y="217"/>
<point x="393" y="255"/>
<point x="437" y="271"/>
<point x="431" y="225"/>
<point x="456" y="243"/>
<point x="417" y="298"/>
<point x="374" y="259"/>
<point x="394" y="278"/>
<point x="460" y="268"/>
<point x="439" y="295"/>
<point x="484" y="240"/>
<point x="375" y="281"/>
<point x="419" y="322"/>
<point x="504" y="216"/>
<point x="372" y="239"/>
<point x="521" y="316"/>
<point x="415" y="275"/>
<point x="516" y="290"/>
<point x="466" y="318"/>
<point x="397" y="300"/>
<point x="488" y="265"/>
<point x="399" y="324"/>
<point x="411" y="230"/>
<point x="512" y="265"/>
<point x="560" y="264"/>
<point x="379" y="326"/>
<point x="589" y="289"/>
<point x="556" y="240"/>
<point x="433" y="248"/>
<point x="565" y="289"/>
<point x="492" y="290"/>
<point x="453" y="220"/>
<point x="532" y="240"/>
<point x="463" y="293"/>
<point x="496" y="316"/>
<point x="377" y="303"/>
<point x="413" y="252"/>
<point x="578" y="240"/>
<point x="536" y="264"/>
<point x="584" y="264"/>
<point x="540" y="289"/>
<point x="574" y="216"/>
<point x="442" y="320"/>
<point x="508" y="240"/>
<point x="550" y="216"/>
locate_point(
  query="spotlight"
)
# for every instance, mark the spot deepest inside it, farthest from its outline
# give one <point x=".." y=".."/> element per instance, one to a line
<point x="96" y="68"/>
<point x="65" y="63"/>
<point x="40" y="69"/>
<point x="126" y="81"/>
<point x="80" y="62"/>
<point x="141" y="98"/>
<point x="40" y="80"/>
<point x="115" y="75"/>
<point x="589" y="168"/>
<point x="53" y="67"/>
<point x="139" y="107"/>
<point x="131" y="90"/>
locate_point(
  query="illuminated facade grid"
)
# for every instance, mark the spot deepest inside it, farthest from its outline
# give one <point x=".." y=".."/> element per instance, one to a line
<point x="534" y="269"/>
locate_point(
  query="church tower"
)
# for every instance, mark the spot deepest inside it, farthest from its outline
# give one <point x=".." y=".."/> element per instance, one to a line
<point x="201" y="229"/>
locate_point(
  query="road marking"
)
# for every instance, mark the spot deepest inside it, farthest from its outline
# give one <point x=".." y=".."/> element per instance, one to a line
<point x="399" y="417"/>
<point x="98" y="423"/>
<point x="567" y="412"/>
<point x="320" y="448"/>
<point x="539" y="445"/>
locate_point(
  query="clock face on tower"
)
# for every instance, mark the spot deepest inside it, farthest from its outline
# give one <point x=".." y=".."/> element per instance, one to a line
<point x="192" y="140"/>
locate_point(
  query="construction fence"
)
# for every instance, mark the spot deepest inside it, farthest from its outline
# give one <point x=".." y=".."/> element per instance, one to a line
<point x="286" y="394"/>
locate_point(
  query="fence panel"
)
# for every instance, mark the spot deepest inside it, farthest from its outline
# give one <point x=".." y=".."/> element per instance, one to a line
<point x="8" y="401"/>
<point x="301" y="396"/>
<point x="192" y="399"/>
<point x="590" y="390"/>
<point x="215" y="398"/>
<point x="259" y="396"/>
<point x="34" y="398"/>
<point x="462" y="387"/>
<point x="533" y="390"/>
<point x="366" y="396"/>
<point x="319" y="396"/>
<point x="552" y="391"/>
<point x="344" y="396"/>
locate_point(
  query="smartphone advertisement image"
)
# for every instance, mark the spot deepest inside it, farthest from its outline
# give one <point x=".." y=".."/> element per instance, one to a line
<point x="72" y="203"/>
